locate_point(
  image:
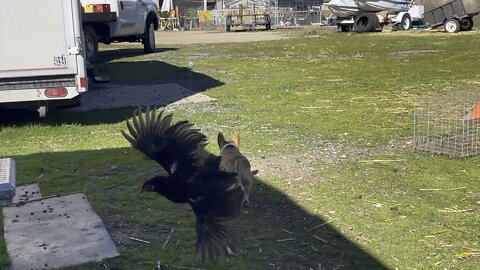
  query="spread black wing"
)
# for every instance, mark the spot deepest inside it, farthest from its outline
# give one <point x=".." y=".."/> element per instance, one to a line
<point x="193" y="176"/>
<point x="175" y="146"/>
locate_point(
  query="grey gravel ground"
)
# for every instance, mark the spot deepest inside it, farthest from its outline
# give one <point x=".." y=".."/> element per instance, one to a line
<point x="110" y="95"/>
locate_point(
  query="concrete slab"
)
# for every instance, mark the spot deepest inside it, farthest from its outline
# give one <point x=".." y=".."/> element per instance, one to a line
<point x="55" y="232"/>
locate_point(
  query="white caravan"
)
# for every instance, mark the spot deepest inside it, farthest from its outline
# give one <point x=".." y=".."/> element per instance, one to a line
<point x="42" y="59"/>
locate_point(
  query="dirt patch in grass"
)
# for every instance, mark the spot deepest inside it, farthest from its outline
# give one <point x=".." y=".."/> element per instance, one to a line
<point x="304" y="165"/>
<point x="205" y="37"/>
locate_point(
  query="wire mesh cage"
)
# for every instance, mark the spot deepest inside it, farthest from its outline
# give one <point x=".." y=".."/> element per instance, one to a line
<point x="448" y="124"/>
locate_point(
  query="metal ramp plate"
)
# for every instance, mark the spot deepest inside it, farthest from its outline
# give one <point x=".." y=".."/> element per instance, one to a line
<point x="55" y="232"/>
<point x="7" y="180"/>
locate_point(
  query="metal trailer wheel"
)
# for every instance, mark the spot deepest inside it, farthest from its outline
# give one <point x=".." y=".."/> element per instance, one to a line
<point x="466" y="24"/>
<point x="91" y="43"/>
<point x="406" y="22"/>
<point x="452" y="26"/>
<point x="149" y="37"/>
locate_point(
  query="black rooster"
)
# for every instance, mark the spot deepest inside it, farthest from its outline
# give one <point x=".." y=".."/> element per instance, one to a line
<point x="193" y="176"/>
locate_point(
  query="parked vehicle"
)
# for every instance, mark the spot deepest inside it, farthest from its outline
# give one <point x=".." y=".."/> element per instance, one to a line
<point x="110" y="21"/>
<point x="42" y="56"/>
<point x="453" y="16"/>
<point x="370" y="16"/>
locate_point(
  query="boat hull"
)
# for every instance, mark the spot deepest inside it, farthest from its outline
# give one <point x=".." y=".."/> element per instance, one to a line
<point x="344" y="8"/>
<point x="383" y="5"/>
<point x="347" y="8"/>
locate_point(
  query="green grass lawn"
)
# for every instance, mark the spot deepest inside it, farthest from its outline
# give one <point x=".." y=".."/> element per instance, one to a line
<point x="389" y="208"/>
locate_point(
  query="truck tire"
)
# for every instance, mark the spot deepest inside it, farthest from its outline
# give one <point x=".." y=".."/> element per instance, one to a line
<point x="405" y="23"/>
<point x="452" y="26"/>
<point x="466" y="24"/>
<point x="149" y="37"/>
<point x="91" y="44"/>
<point x="365" y="22"/>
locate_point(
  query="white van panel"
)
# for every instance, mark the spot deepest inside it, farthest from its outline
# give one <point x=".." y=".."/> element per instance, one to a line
<point x="36" y="41"/>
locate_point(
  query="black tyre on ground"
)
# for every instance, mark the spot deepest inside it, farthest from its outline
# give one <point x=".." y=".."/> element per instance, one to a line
<point x="366" y="22"/>
<point x="148" y="39"/>
<point x="466" y="24"/>
<point x="91" y="43"/>
<point x="405" y="23"/>
<point x="452" y="26"/>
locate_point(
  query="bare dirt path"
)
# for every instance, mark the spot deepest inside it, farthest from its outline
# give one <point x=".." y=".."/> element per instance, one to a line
<point x="169" y="37"/>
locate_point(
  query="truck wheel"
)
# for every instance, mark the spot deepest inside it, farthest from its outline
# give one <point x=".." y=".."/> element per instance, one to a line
<point x="365" y="22"/>
<point x="91" y="43"/>
<point x="149" y="38"/>
<point x="466" y="24"/>
<point x="452" y="26"/>
<point x="405" y="23"/>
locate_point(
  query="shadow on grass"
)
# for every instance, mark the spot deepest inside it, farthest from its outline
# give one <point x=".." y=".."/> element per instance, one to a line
<point x="150" y="71"/>
<point x="24" y="117"/>
<point x="109" y="54"/>
<point x="276" y="233"/>
<point x="154" y="72"/>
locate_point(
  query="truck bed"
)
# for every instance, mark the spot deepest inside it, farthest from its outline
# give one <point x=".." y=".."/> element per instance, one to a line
<point x="99" y="17"/>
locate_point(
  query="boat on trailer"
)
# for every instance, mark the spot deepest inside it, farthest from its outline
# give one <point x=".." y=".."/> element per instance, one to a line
<point x="372" y="15"/>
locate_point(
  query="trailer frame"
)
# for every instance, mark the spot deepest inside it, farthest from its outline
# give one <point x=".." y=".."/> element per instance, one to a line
<point x="452" y="16"/>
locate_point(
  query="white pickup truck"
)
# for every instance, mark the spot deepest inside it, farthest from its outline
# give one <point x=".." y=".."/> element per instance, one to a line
<point x="124" y="21"/>
<point x="43" y="55"/>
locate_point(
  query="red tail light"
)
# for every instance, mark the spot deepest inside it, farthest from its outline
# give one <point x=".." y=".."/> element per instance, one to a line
<point x="83" y="82"/>
<point x="56" y="92"/>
